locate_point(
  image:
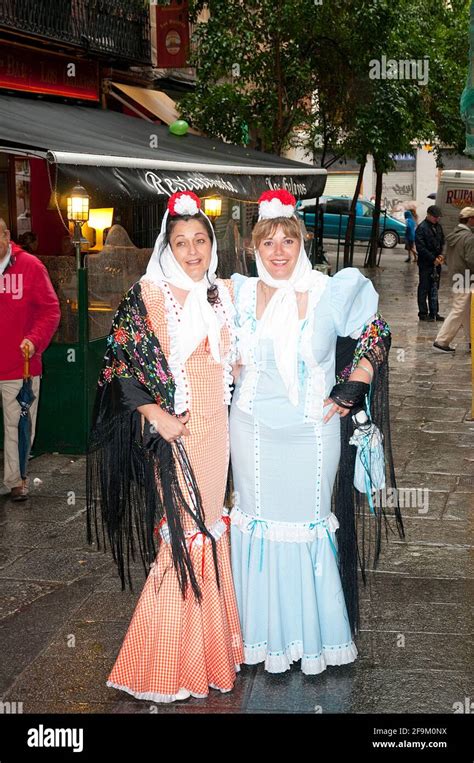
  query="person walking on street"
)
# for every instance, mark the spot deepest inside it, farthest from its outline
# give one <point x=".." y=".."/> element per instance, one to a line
<point x="460" y="260"/>
<point x="30" y="314"/>
<point x="410" y="235"/>
<point x="429" y="240"/>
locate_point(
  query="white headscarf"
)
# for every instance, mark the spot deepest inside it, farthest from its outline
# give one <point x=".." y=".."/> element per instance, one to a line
<point x="280" y="320"/>
<point x="198" y="319"/>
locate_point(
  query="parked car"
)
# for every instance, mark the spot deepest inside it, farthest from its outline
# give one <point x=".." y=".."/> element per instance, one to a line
<point x="336" y="215"/>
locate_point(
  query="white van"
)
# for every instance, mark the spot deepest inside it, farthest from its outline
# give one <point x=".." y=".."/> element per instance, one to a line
<point x="455" y="191"/>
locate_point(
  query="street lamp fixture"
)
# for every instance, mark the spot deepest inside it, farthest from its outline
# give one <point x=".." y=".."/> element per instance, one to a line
<point x="100" y="219"/>
<point x="78" y="214"/>
<point x="213" y="206"/>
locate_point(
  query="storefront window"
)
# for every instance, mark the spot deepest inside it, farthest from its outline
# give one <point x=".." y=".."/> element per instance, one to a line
<point x="63" y="274"/>
<point x="110" y="273"/>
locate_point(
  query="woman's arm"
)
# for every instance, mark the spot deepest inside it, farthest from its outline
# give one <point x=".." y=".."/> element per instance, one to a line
<point x="363" y="372"/>
<point x="236" y="371"/>
<point x="168" y="426"/>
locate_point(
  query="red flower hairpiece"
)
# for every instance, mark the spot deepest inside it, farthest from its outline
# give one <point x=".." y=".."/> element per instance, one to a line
<point x="184" y="203"/>
<point x="284" y="196"/>
<point x="279" y="203"/>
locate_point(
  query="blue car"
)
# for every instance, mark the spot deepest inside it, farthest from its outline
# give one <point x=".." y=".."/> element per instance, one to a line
<point x="336" y="215"/>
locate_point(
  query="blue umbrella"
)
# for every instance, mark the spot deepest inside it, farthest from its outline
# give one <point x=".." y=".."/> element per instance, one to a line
<point x="25" y="397"/>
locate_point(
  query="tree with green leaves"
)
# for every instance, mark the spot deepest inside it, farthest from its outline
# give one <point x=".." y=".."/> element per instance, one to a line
<point x="255" y="78"/>
<point x="278" y="73"/>
<point x="394" y="111"/>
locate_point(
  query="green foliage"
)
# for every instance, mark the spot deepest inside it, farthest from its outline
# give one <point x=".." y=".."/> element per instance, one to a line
<point x="288" y="72"/>
<point x="252" y="60"/>
<point x="448" y="70"/>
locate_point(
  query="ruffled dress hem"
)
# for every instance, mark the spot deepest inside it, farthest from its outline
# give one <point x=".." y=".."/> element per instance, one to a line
<point x="168" y="698"/>
<point x="311" y="664"/>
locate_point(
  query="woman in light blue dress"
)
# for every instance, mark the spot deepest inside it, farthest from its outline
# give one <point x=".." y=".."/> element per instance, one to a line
<point x="285" y="447"/>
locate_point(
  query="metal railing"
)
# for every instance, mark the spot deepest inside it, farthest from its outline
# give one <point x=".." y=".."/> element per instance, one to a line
<point x="118" y="29"/>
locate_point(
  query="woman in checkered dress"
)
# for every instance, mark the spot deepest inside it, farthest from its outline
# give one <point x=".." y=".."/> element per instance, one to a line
<point x="184" y="636"/>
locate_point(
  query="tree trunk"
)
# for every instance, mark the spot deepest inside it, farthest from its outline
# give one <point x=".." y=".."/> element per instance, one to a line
<point x="374" y="240"/>
<point x="348" y="244"/>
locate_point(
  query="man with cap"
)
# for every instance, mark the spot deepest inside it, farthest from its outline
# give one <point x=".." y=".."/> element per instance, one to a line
<point x="460" y="260"/>
<point x="429" y="239"/>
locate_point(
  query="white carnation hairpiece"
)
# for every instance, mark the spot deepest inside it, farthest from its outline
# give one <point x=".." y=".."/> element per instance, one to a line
<point x="184" y="203"/>
<point x="275" y="208"/>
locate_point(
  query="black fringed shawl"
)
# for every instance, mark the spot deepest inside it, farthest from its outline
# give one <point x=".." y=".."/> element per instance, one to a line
<point x="360" y="531"/>
<point x="132" y="472"/>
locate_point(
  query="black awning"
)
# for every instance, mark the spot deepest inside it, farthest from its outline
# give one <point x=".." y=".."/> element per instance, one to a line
<point x="120" y="157"/>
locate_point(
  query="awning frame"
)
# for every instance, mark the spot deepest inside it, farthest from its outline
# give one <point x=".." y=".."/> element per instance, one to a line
<point x="104" y="160"/>
<point x="129" y="106"/>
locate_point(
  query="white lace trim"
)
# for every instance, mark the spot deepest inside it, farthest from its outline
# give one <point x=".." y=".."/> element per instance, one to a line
<point x="290" y="532"/>
<point x="245" y="309"/>
<point x="246" y="342"/>
<point x="311" y="664"/>
<point x="248" y="390"/>
<point x="226" y="314"/>
<point x="182" y="395"/>
<point x="217" y="530"/>
<point x="166" y="698"/>
<point x="315" y="395"/>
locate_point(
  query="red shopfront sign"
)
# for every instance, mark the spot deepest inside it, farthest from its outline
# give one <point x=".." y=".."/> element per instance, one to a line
<point x="33" y="71"/>
<point x="172" y="35"/>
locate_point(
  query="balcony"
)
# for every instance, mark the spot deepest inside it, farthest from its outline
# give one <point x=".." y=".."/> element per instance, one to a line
<point x="117" y="30"/>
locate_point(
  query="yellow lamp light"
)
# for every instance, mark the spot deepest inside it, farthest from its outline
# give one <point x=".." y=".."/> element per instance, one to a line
<point x="100" y="219"/>
<point x="78" y="204"/>
<point x="213" y="206"/>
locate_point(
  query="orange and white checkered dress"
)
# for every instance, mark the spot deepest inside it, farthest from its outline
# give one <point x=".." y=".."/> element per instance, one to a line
<point x="177" y="647"/>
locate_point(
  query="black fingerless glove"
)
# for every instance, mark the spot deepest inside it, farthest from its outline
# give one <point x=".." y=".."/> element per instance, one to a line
<point x="349" y="394"/>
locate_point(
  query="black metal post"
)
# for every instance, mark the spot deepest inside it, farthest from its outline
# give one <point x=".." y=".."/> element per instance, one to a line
<point x="381" y="237"/>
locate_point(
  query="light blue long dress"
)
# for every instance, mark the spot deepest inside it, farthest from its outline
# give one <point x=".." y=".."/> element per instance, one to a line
<point x="284" y="460"/>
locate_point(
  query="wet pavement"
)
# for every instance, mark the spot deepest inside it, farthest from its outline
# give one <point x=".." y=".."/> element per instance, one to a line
<point x="63" y="615"/>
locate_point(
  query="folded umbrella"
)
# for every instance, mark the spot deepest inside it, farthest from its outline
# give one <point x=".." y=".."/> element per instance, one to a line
<point x="369" y="471"/>
<point x="25" y="397"/>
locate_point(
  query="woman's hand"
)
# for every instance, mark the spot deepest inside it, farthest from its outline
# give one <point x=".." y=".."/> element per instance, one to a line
<point x="362" y="372"/>
<point x="335" y="408"/>
<point x="168" y="426"/>
<point x="236" y="368"/>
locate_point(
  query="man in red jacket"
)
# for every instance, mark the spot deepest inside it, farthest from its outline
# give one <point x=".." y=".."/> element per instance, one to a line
<point x="29" y="316"/>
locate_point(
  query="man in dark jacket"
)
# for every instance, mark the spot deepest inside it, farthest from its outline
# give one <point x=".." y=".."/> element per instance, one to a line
<point x="29" y="311"/>
<point x="429" y="239"/>
<point x="460" y="259"/>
